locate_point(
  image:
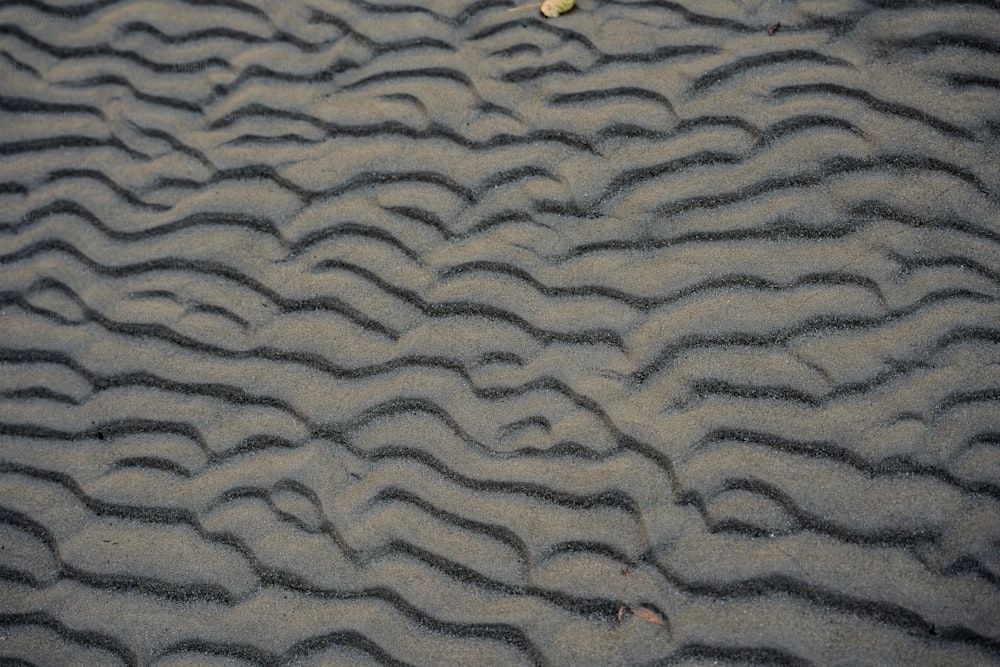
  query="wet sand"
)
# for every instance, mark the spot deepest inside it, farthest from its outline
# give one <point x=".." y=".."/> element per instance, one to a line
<point x="440" y="334"/>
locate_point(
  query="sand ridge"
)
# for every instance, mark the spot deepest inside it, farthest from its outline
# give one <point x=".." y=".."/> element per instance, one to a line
<point x="368" y="332"/>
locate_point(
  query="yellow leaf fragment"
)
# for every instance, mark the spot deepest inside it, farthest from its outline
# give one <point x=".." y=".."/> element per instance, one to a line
<point x="552" y="8"/>
<point x="648" y="615"/>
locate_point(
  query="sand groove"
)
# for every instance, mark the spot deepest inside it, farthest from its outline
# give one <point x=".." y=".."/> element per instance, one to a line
<point x="417" y="334"/>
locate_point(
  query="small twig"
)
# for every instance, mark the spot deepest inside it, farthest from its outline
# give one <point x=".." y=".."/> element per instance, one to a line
<point x="621" y="601"/>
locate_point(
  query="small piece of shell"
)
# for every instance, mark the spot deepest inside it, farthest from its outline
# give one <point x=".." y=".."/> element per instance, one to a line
<point x="551" y="8"/>
<point x="648" y="615"/>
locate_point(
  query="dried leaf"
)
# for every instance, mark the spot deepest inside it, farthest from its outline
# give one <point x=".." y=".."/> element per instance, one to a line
<point x="648" y="615"/>
<point x="621" y="612"/>
<point x="553" y="8"/>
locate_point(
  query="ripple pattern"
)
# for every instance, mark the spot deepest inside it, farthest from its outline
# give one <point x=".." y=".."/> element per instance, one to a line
<point x="373" y="332"/>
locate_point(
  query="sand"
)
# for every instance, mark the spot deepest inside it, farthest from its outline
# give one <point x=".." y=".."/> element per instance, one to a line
<point x="369" y="332"/>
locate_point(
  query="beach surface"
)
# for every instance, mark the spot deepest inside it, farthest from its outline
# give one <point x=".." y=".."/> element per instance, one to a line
<point x="436" y="333"/>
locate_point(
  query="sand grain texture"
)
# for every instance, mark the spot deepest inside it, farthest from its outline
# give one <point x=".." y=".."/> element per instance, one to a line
<point x="363" y="332"/>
